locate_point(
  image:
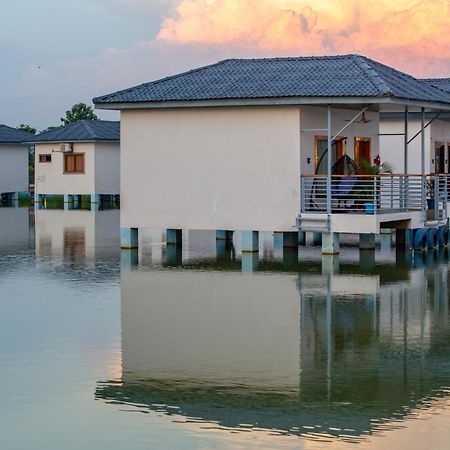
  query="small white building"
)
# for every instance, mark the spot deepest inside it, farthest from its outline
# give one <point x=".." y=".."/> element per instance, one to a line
<point x="243" y="145"/>
<point x="82" y="158"/>
<point x="13" y="162"/>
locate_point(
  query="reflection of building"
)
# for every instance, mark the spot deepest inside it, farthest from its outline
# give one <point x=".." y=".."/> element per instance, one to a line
<point x="76" y="234"/>
<point x="337" y="354"/>
<point x="15" y="227"/>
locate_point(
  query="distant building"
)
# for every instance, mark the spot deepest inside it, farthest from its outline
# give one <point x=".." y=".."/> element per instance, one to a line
<point x="261" y="144"/>
<point x="82" y="158"/>
<point x="13" y="162"/>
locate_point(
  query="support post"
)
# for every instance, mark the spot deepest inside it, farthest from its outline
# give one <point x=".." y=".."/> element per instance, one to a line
<point x="367" y="241"/>
<point x="250" y="241"/>
<point x="14" y="197"/>
<point x="68" y="198"/>
<point x="129" y="258"/>
<point x="405" y="155"/>
<point x="329" y="160"/>
<point x="330" y="243"/>
<point x="250" y="262"/>
<point x="330" y="264"/>
<point x="301" y="238"/>
<point x="286" y="239"/>
<point x="404" y="239"/>
<point x="174" y="237"/>
<point x="224" y="235"/>
<point x="422" y="165"/>
<point x="129" y="238"/>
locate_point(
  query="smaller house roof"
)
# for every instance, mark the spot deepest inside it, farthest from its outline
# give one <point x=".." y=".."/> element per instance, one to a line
<point x="81" y="131"/>
<point x="9" y="135"/>
<point x="441" y="83"/>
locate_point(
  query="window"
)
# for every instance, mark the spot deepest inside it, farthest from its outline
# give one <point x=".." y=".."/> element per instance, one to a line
<point x="74" y="163"/>
<point x="45" y="158"/>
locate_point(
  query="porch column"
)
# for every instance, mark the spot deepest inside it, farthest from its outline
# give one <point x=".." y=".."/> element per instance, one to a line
<point x="405" y="156"/>
<point x="329" y="160"/>
<point x="422" y="164"/>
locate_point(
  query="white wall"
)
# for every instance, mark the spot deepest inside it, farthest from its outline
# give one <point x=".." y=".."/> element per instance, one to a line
<point x="215" y="327"/>
<point x="212" y="168"/>
<point x="313" y="117"/>
<point x="50" y="177"/>
<point x="13" y="168"/>
<point x="107" y="168"/>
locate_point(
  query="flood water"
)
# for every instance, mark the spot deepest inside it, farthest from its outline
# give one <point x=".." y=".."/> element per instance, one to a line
<point x="205" y="349"/>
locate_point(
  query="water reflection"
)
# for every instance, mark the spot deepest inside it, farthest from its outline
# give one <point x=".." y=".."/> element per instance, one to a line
<point x="314" y="351"/>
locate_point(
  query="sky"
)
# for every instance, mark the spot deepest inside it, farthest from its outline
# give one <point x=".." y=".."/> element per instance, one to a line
<point x="55" y="53"/>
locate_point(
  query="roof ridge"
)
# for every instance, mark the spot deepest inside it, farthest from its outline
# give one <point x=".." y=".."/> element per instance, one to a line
<point x="160" y="80"/>
<point x="89" y="129"/>
<point x="373" y="76"/>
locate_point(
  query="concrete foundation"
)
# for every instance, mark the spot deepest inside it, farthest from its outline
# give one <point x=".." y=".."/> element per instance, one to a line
<point x="250" y="241"/>
<point x="174" y="237"/>
<point x="330" y="244"/>
<point x="129" y="238"/>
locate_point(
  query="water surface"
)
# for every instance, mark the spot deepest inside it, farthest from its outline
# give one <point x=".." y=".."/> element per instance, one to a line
<point x="204" y="349"/>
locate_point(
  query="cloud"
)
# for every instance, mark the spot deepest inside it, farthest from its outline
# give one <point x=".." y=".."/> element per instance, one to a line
<point x="406" y="34"/>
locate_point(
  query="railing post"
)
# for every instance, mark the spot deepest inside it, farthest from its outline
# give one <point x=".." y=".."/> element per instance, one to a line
<point x="392" y="191"/>
<point x="302" y="194"/>
<point x="375" y="200"/>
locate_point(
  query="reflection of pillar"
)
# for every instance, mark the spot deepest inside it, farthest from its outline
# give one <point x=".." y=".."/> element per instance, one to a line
<point x="330" y="264"/>
<point x="367" y="241"/>
<point x="329" y="337"/>
<point x="250" y="262"/>
<point x="174" y="237"/>
<point x="367" y="260"/>
<point x="224" y="249"/>
<point x="330" y="243"/>
<point x="290" y="256"/>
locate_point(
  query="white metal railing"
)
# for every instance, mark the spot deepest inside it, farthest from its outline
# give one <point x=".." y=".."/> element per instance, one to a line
<point x="375" y="194"/>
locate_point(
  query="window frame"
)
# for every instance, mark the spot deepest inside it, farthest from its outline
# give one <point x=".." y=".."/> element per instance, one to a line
<point x="74" y="154"/>
<point x="47" y="155"/>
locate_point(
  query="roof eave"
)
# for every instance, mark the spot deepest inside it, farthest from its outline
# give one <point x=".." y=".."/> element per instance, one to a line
<point x="279" y="101"/>
<point x="75" y="141"/>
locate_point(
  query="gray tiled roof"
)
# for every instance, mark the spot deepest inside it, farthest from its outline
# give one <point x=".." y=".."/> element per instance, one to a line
<point x="327" y="76"/>
<point x="81" y="131"/>
<point x="441" y="83"/>
<point x="9" y="135"/>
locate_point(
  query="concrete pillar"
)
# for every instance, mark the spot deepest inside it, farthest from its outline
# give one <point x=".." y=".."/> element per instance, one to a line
<point x="37" y="198"/>
<point x="96" y="198"/>
<point x="290" y="257"/>
<point x="367" y="241"/>
<point x="250" y="241"/>
<point x="174" y="237"/>
<point x="330" y="264"/>
<point x="386" y="242"/>
<point x="250" y="262"/>
<point x="404" y="239"/>
<point x="129" y="238"/>
<point x="301" y="238"/>
<point x="330" y="243"/>
<point x="317" y="238"/>
<point x="224" y="249"/>
<point x="14" y="196"/>
<point x="224" y="235"/>
<point x="76" y="201"/>
<point x="129" y="258"/>
<point x="68" y="198"/>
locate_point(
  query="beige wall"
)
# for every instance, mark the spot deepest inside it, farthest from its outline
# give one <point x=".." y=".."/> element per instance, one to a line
<point x="214" y="168"/>
<point x="107" y="168"/>
<point x="13" y="168"/>
<point x="102" y="166"/>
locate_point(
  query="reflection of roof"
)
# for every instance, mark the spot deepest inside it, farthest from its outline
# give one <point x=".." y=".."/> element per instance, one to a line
<point x="350" y="76"/>
<point x="82" y="131"/>
<point x="285" y="412"/>
<point x="9" y="135"/>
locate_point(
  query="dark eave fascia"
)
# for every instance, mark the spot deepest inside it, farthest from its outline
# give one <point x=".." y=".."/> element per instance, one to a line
<point x="16" y="144"/>
<point x="281" y="101"/>
<point x="71" y="141"/>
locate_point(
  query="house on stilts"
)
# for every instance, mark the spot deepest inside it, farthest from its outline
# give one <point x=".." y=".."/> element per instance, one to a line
<point x="289" y="145"/>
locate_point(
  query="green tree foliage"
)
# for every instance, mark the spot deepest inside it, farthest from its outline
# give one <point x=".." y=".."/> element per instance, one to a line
<point x="80" y="111"/>
<point x="51" y="128"/>
<point x="27" y="128"/>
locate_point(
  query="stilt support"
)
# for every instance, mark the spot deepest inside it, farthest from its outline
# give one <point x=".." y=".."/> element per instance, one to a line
<point x="224" y="235"/>
<point x="404" y="239"/>
<point x="174" y="237"/>
<point x="367" y="241"/>
<point x="250" y="262"/>
<point x="330" y="264"/>
<point x="129" y="238"/>
<point x="250" y="241"/>
<point x="301" y="238"/>
<point x="330" y="243"/>
<point x="317" y="238"/>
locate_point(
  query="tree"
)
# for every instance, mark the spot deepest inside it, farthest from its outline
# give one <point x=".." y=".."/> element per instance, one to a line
<point x="27" y="128"/>
<point x="51" y="128"/>
<point x="80" y="111"/>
